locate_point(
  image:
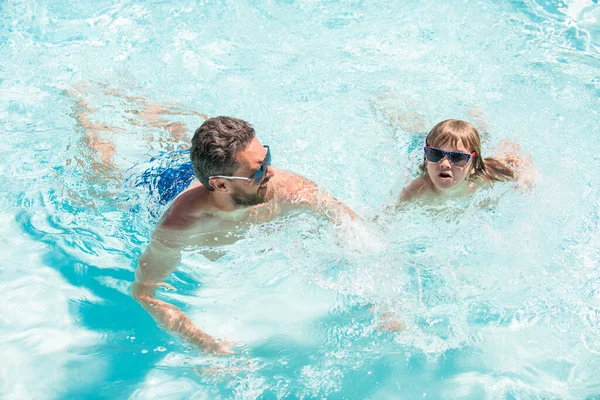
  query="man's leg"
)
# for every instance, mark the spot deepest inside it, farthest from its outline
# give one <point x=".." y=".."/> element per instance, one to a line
<point x="92" y="132"/>
<point x="152" y="113"/>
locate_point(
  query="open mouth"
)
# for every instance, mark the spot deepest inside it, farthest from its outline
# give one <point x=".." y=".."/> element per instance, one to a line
<point x="445" y="175"/>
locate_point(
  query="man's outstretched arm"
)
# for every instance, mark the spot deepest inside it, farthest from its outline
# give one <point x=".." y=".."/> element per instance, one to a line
<point x="302" y="192"/>
<point x="158" y="261"/>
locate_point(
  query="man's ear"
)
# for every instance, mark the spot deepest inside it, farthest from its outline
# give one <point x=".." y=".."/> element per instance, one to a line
<point x="218" y="184"/>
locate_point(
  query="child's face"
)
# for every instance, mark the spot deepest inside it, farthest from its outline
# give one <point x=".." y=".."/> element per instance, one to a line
<point x="444" y="174"/>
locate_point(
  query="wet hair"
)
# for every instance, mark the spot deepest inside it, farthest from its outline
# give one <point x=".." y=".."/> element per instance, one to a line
<point x="451" y="132"/>
<point x="215" y="147"/>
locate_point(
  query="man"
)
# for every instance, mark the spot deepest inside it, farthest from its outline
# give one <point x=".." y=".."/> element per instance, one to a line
<point x="238" y="186"/>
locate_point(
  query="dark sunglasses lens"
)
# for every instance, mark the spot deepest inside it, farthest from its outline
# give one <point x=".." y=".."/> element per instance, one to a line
<point x="433" y="155"/>
<point x="459" y="159"/>
<point x="258" y="176"/>
<point x="262" y="170"/>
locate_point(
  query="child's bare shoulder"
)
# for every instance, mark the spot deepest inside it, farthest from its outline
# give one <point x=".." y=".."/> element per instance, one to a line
<point x="415" y="189"/>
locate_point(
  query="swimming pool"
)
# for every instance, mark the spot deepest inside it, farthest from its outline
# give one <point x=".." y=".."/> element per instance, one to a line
<point x="499" y="301"/>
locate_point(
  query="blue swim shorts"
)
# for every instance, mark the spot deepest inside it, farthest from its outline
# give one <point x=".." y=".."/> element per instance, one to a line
<point x="165" y="176"/>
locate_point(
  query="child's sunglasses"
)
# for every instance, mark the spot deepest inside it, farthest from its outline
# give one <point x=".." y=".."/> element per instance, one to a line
<point x="457" y="158"/>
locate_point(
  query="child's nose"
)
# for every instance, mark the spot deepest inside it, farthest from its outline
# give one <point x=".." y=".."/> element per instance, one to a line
<point x="445" y="162"/>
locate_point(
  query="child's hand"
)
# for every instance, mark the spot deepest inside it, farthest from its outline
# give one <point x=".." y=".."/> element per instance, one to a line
<point x="522" y="163"/>
<point x="392" y="325"/>
<point x="389" y="322"/>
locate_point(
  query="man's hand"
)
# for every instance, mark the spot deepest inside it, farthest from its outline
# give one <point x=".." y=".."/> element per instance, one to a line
<point x="172" y="318"/>
<point x="210" y="345"/>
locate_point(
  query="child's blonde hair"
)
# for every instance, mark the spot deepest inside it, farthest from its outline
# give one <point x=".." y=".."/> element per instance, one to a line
<point x="451" y="132"/>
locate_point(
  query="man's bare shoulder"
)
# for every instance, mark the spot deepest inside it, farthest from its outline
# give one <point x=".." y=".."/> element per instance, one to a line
<point x="189" y="207"/>
<point x="291" y="187"/>
<point x="282" y="176"/>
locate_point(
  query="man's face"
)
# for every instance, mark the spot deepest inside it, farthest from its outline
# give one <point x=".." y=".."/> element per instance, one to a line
<point x="244" y="193"/>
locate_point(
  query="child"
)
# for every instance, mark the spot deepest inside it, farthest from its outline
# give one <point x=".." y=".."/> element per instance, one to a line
<point x="453" y="165"/>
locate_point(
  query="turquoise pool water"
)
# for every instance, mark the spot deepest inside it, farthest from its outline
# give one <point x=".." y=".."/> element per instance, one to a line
<point x="500" y="296"/>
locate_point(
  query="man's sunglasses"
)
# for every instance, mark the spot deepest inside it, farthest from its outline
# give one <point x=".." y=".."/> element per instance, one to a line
<point x="258" y="175"/>
<point x="457" y="158"/>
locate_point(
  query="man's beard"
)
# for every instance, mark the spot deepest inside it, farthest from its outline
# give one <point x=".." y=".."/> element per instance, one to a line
<point x="241" y="199"/>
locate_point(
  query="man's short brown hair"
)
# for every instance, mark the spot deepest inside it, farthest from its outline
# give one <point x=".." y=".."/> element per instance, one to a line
<point x="216" y="144"/>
